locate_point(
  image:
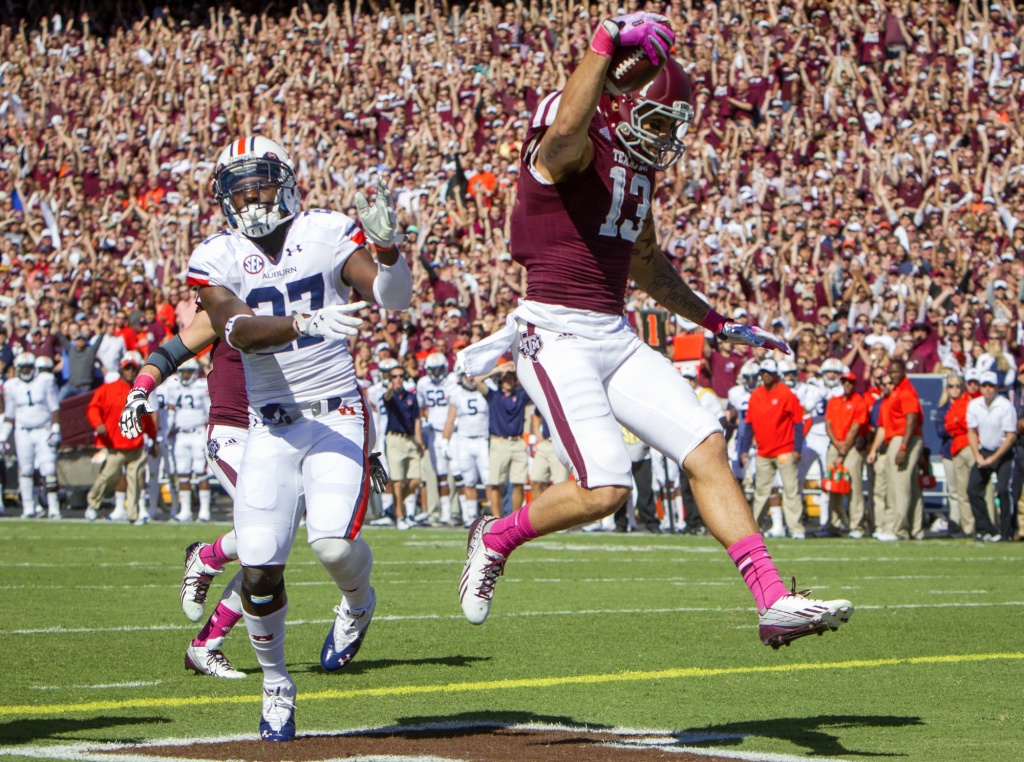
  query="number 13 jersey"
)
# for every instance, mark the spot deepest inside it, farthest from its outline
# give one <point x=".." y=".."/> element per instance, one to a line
<point x="576" y="237"/>
<point x="305" y="277"/>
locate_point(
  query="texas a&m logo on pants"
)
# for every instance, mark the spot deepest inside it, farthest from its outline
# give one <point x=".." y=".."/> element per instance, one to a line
<point x="530" y="346"/>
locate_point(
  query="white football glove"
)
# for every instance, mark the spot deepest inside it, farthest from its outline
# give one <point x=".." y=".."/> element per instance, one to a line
<point x="54" y="439"/>
<point x="334" y="322"/>
<point x="136" y="406"/>
<point x="446" y="449"/>
<point x="379" y="222"/>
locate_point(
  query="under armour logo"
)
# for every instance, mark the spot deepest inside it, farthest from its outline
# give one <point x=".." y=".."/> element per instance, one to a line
<point x="298" y="250"/>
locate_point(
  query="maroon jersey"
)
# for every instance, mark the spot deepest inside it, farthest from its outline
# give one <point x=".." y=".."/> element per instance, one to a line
<point x="575" y="238"/>
<point x="229" y="402"/>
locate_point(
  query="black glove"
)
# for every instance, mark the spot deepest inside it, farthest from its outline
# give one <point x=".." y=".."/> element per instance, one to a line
<point x="378" y="476"/>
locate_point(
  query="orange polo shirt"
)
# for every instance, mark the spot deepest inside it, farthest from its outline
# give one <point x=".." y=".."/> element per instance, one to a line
<point x="845" y="413"/>
<point x="903" y="401"/>
<point x="772" y="415"/>
<point x="956" y="422"/>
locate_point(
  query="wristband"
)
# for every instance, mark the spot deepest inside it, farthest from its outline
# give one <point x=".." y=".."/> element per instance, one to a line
<point x="713" y="321"/>
<point x="144" y="383"/>
<point x="230" y="326"/>
<point x="903" y="448"/>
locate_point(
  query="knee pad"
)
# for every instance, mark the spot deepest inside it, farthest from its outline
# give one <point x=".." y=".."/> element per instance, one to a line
<point x="51" y="482"/>
<point x="345" y="557"/>
<point x="262" y="599"/>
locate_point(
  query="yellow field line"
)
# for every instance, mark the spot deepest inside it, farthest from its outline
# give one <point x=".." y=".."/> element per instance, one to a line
<point x="492" y="685"/>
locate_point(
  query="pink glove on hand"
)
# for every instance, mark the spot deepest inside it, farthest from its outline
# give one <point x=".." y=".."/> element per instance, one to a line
<point x="647" y="29"/>
<point x="739" y="333"/>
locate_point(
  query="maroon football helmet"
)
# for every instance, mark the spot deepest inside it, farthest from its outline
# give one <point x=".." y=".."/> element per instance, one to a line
<point x="669" y="96"/>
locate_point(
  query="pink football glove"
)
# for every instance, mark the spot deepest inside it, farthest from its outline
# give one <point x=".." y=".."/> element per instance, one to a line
<point x="647" y="29"/>
<point x="751" y="336"/>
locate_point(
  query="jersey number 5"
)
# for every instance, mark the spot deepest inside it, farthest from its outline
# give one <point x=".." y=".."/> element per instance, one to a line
<point x="313" y="285"/>
<point x="639" y="186"/>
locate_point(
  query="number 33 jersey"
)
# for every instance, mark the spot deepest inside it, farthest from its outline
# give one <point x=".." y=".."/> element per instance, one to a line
<point x="305" y="277"/>
<point x="576" y="237"/>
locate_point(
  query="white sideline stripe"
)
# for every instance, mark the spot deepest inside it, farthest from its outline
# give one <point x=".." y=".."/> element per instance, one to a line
<point x="631" y="738"/>
<point x="686" y="581"/>
<point x="527" y="559"/>
<point x="137" y="684"/>
<point x="521" y="614"/>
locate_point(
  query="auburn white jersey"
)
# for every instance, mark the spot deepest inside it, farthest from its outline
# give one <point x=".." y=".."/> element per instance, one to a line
<point x="739" y="398"/>
<point x="189" y="405"/>
<point x="472" y="416"/>
<point x="812" y="398"/>
<point x="433" y="398"/>
<point x="305" y="277"/>
<point x="31" y="404"/>
<point x="709" y="401"/>
<point x="375" y="395"/>
<point x="158" y="401"/>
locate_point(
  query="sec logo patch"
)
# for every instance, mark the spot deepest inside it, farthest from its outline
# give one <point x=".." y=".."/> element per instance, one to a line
<point x="253" y="264"/>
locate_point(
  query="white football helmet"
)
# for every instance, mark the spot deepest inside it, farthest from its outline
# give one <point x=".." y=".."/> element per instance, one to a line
<point x="44" y="364"/>
<point x="831" y="370"/>
<point x="188" y="371"/>
<point x="788" y="372"/>
<point x="437" y="366"/>
<point x="131" y="357"/>
<point x="25" y="366"/>
<point x="255" y="186"/>
<point x="750" y="374"/>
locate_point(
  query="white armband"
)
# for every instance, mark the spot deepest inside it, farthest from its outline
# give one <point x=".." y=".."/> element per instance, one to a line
<point x="230" y="326"/>
<point x="392" y="288"/>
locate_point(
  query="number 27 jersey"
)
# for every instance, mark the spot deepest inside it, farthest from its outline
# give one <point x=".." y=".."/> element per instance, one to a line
<point x="305" y="277"/>
<point x="576" y="237"/>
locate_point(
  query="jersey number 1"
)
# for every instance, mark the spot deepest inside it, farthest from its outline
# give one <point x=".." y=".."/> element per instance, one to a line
<point x="639" y="186"/>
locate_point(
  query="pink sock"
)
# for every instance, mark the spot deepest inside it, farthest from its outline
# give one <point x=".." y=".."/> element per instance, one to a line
<point x="752" y="559"/>
<point x="507" y="534"/>
<point x="218" y="625"/>
<point x="214" y="555"/>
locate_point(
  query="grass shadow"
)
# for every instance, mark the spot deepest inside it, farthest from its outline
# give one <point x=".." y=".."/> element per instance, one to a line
<point x="808" y="732"/>
<point x="27" y="731"/>
<point x="368" y="665"/>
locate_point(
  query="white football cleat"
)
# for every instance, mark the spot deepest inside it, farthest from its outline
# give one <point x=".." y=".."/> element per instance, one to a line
<point x="91" y="514"/>
<point x="196" y="582"/>
<point x="483" y="567"/>
<point x="207" y="661"/>
<point x="118" y="514"/>
<point x="346" y="635"/>
<point x="277" y="722"/>
<point x="796" y="616"/>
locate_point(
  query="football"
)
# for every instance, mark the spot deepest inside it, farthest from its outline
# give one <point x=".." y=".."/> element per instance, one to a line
<point x="630" y="69"/>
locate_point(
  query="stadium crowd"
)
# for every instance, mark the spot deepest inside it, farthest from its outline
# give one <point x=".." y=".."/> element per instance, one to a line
<point x="852" y="179"/>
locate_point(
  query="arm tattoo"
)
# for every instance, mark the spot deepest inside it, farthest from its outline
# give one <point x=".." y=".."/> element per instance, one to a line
<point x="656" y="275"/>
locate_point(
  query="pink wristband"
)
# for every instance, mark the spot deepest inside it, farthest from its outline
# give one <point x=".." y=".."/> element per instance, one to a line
<point x="713" y="322"/>
<point x="144" y="382"/>
<point x="602" y="44"/>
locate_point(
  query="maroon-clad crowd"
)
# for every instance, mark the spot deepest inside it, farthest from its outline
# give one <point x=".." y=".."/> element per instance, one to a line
<point x="852" y="180"/>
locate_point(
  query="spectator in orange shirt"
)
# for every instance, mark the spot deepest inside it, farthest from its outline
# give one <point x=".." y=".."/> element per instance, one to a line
<point x="957" y="456"/>
<point x="846" y="420"/>
<point x="103" y="412"/>
<point x="776" y="421"/>
<point x="901" y="426"/>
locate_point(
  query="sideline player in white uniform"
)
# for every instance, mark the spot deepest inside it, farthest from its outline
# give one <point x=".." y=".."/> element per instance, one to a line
<point x="432" y="390"/>
<point x="188" y="412"/>
<point x="813" y="400"/>
<point x="375" y="395"/>
<point x="582" y="227"/>
<point x="160" y="459"/>
<point x="32" y="411"/>
<point x="277" y="286"/>
<point x="467" y="442"/>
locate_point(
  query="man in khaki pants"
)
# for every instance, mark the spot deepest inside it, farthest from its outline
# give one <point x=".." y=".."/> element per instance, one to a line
<point x="104" y="412"/>
<point x="776" y="421"/>
<point x="845" y="416"/>
<point x="901" y="421"/>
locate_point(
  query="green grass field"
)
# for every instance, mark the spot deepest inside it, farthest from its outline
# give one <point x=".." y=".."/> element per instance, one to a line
<point x="651" y="632"/>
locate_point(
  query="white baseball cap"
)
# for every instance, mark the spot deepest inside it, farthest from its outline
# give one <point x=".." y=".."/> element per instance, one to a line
<point x="989" y="377"/>
<point x="769" y="366"/>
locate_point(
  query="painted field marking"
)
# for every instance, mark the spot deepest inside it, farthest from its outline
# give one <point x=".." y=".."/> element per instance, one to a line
<point x="170" y="702"/>
<point x="101" y="687"/>
<point x="58" y="630"/>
